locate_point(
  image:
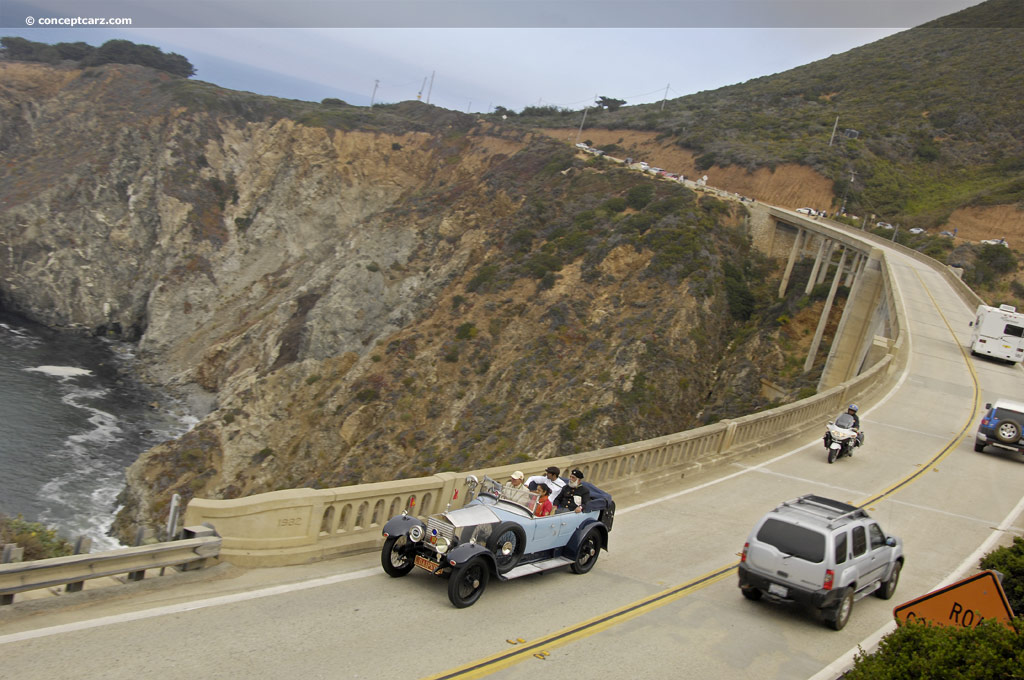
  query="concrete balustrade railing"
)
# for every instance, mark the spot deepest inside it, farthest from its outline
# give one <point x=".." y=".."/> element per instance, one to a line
<point x="302" y="525"/>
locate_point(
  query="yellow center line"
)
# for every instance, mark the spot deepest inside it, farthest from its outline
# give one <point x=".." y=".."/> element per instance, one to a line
<point x="496" y="662"/>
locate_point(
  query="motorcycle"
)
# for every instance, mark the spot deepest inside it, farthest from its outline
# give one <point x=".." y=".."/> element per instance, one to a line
<point x="841" y="437"/>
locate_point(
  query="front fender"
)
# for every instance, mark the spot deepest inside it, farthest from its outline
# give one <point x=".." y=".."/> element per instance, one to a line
<point x="464" y="552"/>
<point x="574" y="543"/>
<point x="400" y="525"/>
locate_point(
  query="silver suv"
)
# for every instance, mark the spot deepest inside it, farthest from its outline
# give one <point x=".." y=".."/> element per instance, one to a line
<point x="820" y="552"/>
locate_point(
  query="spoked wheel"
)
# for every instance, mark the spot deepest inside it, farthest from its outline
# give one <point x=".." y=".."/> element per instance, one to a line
<point x="467" y="582"/>
<point x="507" y="543"/>
<point x="586" y="556"/>
<point x="1008" y="432"/>
<point x="394" y="556"/>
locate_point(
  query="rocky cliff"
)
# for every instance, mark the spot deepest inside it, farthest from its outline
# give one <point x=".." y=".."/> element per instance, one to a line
<point x="352" y="295"/>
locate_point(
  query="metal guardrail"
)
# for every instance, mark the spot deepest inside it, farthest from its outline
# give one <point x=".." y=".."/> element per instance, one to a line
<point x="201" y="543"/>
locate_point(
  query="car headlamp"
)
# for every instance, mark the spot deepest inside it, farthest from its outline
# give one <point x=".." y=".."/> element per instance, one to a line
<point x="416" y="533"/>
<point x="443" y="545"/>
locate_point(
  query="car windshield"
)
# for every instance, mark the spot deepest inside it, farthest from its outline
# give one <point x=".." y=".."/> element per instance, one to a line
<point x="845" y="420"/>
<point x="793" y="540"/>
<point x="520" y="495"/>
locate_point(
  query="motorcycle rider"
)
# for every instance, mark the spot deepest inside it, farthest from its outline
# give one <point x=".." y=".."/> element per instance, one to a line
<point x="852" y="410"/>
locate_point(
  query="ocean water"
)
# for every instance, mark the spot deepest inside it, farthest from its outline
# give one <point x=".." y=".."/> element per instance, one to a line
<point x="72" y="419"/>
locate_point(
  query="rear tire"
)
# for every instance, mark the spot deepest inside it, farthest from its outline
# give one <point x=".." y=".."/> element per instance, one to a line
<point x="839" y="615"/>
<point x="587" y="554"/>
<point x="751" y="593"/>
<point x="978" y="446"/>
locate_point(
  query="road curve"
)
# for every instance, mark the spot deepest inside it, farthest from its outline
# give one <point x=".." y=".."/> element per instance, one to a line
<point x="663" y="600"/>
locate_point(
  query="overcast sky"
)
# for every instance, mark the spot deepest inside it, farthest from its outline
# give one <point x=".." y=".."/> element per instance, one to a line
<point x="472" y="55"/>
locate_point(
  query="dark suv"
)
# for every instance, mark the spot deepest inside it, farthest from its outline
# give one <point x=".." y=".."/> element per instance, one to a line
<point x="1001" y="426"/>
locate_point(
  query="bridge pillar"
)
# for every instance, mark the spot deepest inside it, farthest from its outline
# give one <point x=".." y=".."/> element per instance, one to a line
<point x="827" y="262"/>
<point x="793" y="252"/>
<point x="823" y="321"/>
<point x="816" y="268"/>
<point x="864" y="313"/>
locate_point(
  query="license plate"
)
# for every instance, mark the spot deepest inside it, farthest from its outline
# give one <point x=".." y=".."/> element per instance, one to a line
<point x="424" y="563"/>
<point x="776" y="589"/>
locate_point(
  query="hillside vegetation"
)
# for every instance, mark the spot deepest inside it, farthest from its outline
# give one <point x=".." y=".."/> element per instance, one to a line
<point x="938" y="112"/>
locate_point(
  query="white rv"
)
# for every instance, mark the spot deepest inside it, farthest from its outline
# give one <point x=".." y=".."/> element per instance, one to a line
<point x="998" y="332"/>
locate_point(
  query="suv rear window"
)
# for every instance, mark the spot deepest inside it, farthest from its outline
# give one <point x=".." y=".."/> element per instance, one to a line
<point x="1003" y="414"/>
<point x="794" y="540"/>
<point x="1015" y="331"/>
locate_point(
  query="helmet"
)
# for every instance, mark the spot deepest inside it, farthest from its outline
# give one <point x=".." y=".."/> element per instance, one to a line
<point x="852" y="407"/>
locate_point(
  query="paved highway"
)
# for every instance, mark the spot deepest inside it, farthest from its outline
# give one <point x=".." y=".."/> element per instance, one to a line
<point x="663" y="602"/>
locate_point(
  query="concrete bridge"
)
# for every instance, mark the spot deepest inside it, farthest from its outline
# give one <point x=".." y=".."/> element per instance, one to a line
<point x="663" y="600"/>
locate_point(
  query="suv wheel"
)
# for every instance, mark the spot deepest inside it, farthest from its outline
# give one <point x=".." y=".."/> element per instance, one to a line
<point x="838" y="615"/>
<point x="1008" y="432"/>
<point x="888" y="587"/>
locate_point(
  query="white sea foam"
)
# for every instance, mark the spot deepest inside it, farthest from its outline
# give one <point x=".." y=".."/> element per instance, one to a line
<point x="60" y="371"/>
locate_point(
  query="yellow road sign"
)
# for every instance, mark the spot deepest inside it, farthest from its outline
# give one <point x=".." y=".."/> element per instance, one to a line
<point x="965" y="603"/>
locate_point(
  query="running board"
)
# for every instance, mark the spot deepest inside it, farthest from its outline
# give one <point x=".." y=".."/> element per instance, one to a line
<point x="867" y="591"/>
<point x="536" y="567"/>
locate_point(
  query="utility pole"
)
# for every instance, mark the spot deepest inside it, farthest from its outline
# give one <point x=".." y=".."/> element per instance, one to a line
<point x="431" y="86"/>
<point x="375" y="83"/>
<point x="580" y="131"/>
<point x="664" y="97"/>
<point x="419" y="95"/>
<point x="833" y="131"/>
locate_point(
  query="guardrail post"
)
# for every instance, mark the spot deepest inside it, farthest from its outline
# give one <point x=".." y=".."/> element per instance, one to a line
<point x="83" y="544"/>
<point x="11" y="553"/>
<point x="142" y="534"/>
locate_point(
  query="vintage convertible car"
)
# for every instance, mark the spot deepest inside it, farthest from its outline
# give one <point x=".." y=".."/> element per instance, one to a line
<point x="496" y="535"/>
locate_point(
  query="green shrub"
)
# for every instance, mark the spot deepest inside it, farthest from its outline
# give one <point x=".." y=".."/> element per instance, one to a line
<point x="39" y="541"/>
<point x="466" y="331"/>
<point x="919" y="650"/>
<point x="1009" y="561"/>
<point x="639" y="196"/>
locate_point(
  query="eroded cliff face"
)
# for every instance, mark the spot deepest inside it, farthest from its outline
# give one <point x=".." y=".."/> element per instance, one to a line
<point x="357" y="303"/>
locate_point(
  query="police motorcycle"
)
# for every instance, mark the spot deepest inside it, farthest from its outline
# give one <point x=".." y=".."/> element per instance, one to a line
<point x="842" y="437"/>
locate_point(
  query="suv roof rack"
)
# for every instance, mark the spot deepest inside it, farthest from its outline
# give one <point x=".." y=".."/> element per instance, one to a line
<point x="833" y="510"/>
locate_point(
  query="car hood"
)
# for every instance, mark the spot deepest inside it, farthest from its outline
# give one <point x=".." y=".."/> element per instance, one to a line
<point x="471" y="515"/>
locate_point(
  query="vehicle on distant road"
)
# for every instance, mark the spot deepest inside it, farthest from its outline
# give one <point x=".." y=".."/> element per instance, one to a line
<point x="806" y="211"/>
<point x="822" y="553"/>
<point x="496" y="535"/>
<point x="916" y="230"/>
<point x="1001" y="426"/>
<point x="884" y="225"/>
<point x="996" y="242"/>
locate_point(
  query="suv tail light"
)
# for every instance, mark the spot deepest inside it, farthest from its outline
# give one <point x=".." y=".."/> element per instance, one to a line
<point x="829" y="578"/>
<point x="743" y="557"/>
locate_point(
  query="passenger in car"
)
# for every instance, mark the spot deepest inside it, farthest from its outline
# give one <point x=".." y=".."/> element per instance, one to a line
<point x="551" y="478"/>
<point x="574" y="497"/>
<point x="543" y="507"/>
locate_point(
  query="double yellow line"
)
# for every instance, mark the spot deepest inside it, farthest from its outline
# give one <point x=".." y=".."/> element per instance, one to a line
<point x="539" y="647"/>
